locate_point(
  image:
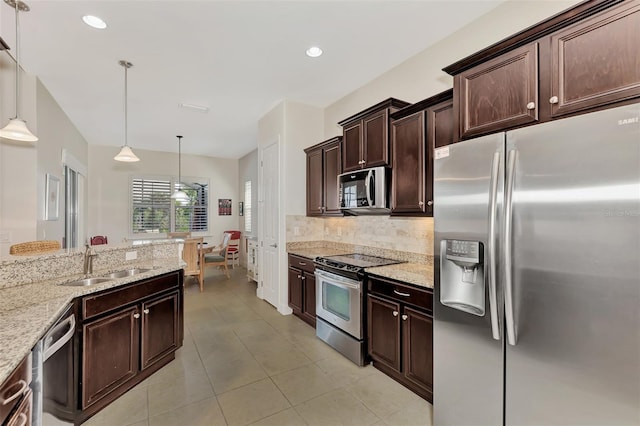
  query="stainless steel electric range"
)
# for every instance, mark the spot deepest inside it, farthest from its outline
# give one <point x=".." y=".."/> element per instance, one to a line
<point x="340" y="308"/>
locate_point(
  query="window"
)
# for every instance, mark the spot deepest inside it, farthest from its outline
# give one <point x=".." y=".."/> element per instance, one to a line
<point x="247" y="207"/>
<point x="153" y="210"/>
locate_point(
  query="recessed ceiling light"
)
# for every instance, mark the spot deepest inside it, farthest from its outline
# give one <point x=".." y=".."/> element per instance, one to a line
<point x="94" y="22"/>
<point x="314" y="51"/>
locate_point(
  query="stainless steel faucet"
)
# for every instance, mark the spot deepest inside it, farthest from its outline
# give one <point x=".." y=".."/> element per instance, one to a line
<point x="89" y="254"/>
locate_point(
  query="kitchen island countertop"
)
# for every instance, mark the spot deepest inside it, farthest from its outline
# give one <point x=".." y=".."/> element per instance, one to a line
<point x="28" y="311"/>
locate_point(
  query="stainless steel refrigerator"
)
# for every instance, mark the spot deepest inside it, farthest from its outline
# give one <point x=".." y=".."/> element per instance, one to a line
<point x="537" y="275"/>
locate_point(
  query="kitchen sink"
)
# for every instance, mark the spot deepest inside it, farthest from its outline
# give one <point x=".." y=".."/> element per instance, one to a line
<point x="87" y="281"/>
<point x="127" y="273"/>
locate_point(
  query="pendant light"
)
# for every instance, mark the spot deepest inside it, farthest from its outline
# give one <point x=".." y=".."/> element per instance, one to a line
<point x="179" y="194"/>
<point x="17" y="127"/>
<point x="125" y="154"/>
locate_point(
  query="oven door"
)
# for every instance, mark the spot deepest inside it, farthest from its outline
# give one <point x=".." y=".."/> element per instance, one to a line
<point x="339" y="302"/>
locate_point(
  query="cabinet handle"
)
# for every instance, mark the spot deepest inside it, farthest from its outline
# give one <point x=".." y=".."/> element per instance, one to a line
<point x="319" y="207"/>
<point x="421" y="203"/>
<point x="23" y="387"/>
<point x="361" y="162"/>
<point x="146" y="311"/>
<point x="401" y="294"/>
<point x="429" y="203"/>
<point x="404" y="317"/>
<point x="553" y="100"/>
<point x="531" y="105"/>
<point x="395" y="313"/>
<point x="23" y="419"/>
<point x="303" y="278"/>
<point x="299" y="276"/>
<point x="302" y="263"/>
<point x="136" y="315"/>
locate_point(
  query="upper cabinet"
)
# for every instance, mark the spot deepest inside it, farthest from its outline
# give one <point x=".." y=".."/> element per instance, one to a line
<point x="324" y="164"/>
<point x="366" y="136"/>
<point x="415" y="131"/>
<point x="579" y="60"/>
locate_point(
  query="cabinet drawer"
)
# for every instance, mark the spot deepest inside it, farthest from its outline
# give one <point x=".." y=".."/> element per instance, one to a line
<point x="120" y="297"/>
<point x="14" y="388"/>
<point x="302" y="263"/>
<point x="403" y="293"/>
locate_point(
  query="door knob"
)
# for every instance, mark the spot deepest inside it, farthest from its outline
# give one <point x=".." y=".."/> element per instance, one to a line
<point x="136" y="315"/>
<point x="274" y="245"/>
<point x="395" y="313"/>
<point x="531" y="105"/>
<point x="429" y="203"/>
<point x="553" y="100"/>
<point x="146" y="311"/>
<point x="421" y="203"/>
<point x="404" y="317"/>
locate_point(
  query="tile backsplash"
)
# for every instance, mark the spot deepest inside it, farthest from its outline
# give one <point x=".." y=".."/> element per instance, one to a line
<point x="414" y="234"/>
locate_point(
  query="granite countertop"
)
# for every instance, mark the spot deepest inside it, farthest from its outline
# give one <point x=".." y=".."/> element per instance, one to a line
<point x="312" y="253"/>
<point x="418" y="274"/>
<point x="27" y="311"/>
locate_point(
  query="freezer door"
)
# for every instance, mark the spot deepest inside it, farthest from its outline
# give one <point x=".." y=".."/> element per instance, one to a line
<point x="575" y="244"/>
<point x="467" y="351"/>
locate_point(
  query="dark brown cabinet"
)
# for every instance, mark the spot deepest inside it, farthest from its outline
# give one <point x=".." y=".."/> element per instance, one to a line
<point x="23" y="414"/>
<point x="110" y="353"/>
<point x="324" y="164"/>
<point x="583" y="59"/>
<point x="597" y="61"/>
<point x="127" y="333"/>
<point x="366" y="136"/>
<point x="302" y="288"/>
<point x="16" y="397"/>
<point x="499" y="93"/>
<point x="400" y="333"/>
<point x="415" y="131"/>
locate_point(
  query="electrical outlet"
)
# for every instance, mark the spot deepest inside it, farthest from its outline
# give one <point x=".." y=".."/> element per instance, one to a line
<point x="5" y="236"/>
<point x="130" y="255"/>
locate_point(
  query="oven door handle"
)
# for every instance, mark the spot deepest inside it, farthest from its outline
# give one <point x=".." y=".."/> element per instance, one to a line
<point x="51" y="348"/>
<point x="337" y="279"/>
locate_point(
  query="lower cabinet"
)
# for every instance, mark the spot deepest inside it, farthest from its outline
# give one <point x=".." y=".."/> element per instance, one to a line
<point x="400" y="333"/>
<point x="127" y="333"/>
<point x="15" y="396"/>
<point x="302" y="288"/>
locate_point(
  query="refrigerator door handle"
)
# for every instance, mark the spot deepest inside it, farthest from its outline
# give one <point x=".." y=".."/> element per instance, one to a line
<point x="491" y="249"/>
<point x="512" y="337"/>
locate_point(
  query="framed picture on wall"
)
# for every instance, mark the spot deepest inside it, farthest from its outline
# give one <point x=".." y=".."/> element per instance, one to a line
<point x="52" y="197"/>
<point x="224" y="207"/>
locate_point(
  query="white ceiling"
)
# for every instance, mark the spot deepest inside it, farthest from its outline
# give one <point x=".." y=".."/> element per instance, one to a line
<point x="239" y="58"/>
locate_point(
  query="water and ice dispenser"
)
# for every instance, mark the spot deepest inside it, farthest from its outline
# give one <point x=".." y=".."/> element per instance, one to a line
<point x="462" y="278"/>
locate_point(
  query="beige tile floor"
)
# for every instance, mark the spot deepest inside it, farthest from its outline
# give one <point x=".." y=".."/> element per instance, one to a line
<point x="243" y="363"/>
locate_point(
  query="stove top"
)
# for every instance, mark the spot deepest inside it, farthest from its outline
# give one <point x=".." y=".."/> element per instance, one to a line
<point x="354" y="262"/>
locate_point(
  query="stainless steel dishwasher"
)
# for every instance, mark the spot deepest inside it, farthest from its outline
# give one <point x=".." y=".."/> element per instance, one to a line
<point x="53" y="372"/>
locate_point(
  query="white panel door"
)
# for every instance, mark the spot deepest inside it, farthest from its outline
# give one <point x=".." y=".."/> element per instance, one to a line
<point x="270" y="276"/>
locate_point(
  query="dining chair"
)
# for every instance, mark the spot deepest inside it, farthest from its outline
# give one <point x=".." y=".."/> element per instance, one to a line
<point x="98" y="240"/>
<point x="34" y="247"/>
<point x="192" y="256"/>
<point x="220" y="258"/>
<point x="233" y="254"/>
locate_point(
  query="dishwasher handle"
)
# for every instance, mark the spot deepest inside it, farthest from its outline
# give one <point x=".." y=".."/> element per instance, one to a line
<point x="50" y="347"/>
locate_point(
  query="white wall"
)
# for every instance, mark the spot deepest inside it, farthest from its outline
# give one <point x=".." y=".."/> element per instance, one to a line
<point x="56" y="133"/>
<point x="109" y="183"/>
<point x="248" y="170"/>
<point x="421" y="76"/>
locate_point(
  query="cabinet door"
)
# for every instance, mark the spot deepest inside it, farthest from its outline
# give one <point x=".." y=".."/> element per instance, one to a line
<point x="332" y="168"/>
<point x="159" y="328"/>
<point x="440" y="124"/>
<point x="315" y="188"/>
<point x="375" y="142"/>
<point x="384" y="331"/>
<point x="499" y="93"/>
<point x="597" y="61"/>
<point x="309" y="303"/>
<point x="295" y="290"/>
<point x="408" y="173"/>
<point x="417" y="334"/>
<point x="110" y="353"/>
<point x="351" y="147"/>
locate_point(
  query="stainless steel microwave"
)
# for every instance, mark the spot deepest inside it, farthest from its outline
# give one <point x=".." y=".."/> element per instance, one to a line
<point x="363" y="191"/>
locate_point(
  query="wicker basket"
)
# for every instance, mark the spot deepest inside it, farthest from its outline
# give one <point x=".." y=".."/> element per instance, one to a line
<point x="34" y="247"/>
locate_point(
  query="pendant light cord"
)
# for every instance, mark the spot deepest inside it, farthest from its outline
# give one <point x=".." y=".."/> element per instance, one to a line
<point x="126" y="142"/>
<point x="179" y="163"/>
<point x="17" y="7"/>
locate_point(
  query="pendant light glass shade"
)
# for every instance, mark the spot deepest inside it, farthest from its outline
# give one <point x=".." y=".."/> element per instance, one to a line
<point x="18" y="131"/>
<point x="126" y="154"/>
<point x="17" y="128"/>
<point x="178" y="194"/>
